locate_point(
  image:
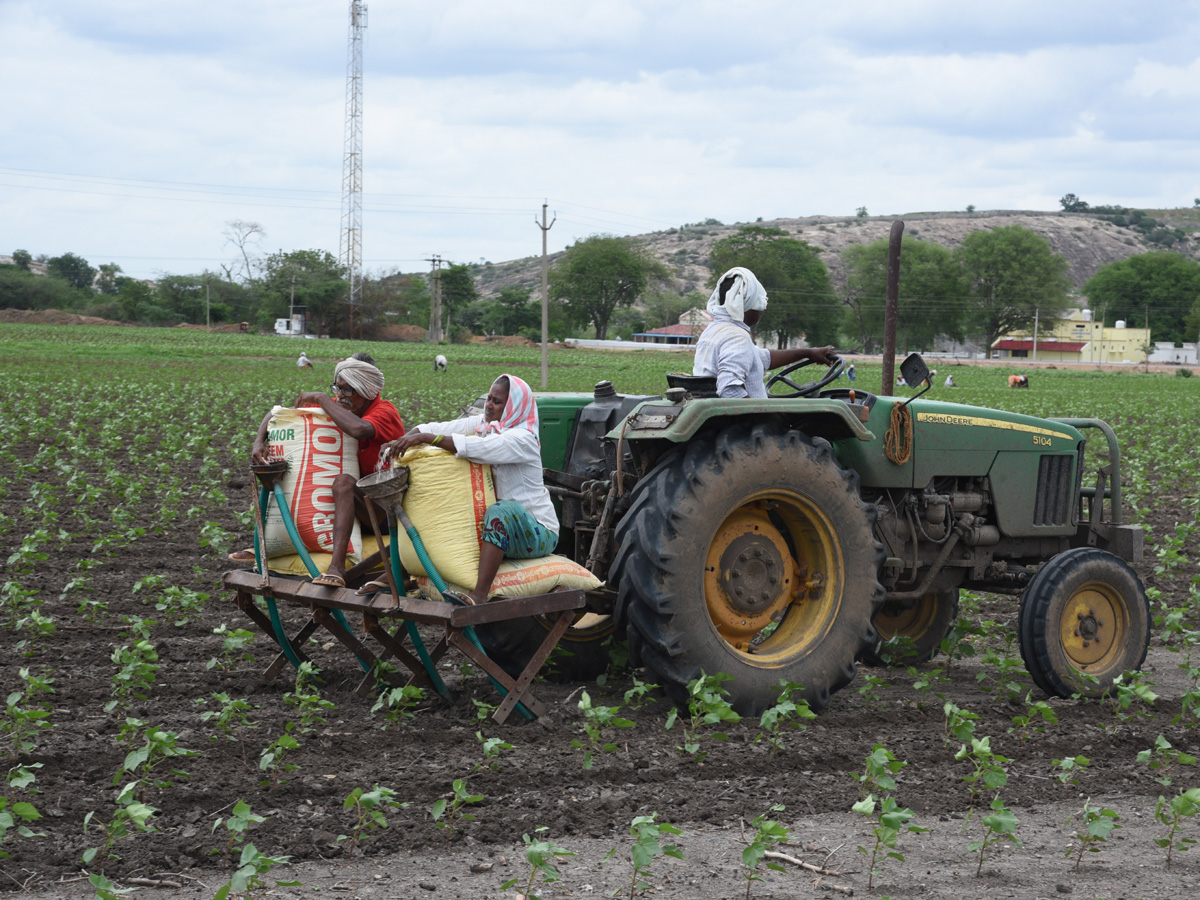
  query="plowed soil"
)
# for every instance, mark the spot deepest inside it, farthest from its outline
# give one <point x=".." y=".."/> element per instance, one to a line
<point x="541" y="781"/>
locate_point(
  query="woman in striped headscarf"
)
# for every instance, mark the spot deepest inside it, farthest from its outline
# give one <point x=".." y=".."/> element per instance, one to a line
<point x="521" y="524"/>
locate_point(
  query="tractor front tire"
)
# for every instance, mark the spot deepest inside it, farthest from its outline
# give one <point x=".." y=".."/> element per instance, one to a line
<point x="749" y="552"/>
<point x="925" y="625"/>
<point x="1085" y="613"/>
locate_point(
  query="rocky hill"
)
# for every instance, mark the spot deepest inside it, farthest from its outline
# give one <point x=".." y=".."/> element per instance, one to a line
<point x="1085" y="240"/>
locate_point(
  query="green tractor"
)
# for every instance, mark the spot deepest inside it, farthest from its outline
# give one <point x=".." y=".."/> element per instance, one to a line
<point x="785" y="538"/>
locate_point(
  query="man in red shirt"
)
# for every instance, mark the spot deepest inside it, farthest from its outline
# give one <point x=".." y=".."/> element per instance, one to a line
<point x="356" y="407"/>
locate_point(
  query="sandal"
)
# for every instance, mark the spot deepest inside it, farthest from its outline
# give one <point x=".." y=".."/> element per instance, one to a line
<point x="242" y="556"/>
<point x="327" y="580"/>
<point x="372" y="587"/>
<point x="457" y="598"/>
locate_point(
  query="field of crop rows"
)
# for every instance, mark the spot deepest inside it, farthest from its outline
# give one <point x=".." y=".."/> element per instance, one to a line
<point x="142" y="742"/>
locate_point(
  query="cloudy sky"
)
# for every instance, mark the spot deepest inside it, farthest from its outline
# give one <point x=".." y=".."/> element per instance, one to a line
<point x="134" y="131"/>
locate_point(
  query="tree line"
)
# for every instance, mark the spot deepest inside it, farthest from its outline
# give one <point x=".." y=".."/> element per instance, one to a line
<point x="997" y="281"/>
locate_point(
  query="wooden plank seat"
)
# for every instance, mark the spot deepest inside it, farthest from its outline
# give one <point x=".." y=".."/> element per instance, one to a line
<point x="560" y="607"/>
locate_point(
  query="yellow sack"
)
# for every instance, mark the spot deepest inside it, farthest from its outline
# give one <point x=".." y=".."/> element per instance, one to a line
<point x="527" y="577"/>
<point x="446" y="500"/>
<point x="292" y="564"/>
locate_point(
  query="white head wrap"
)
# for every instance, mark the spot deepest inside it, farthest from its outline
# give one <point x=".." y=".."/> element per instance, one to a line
<point x="364" y="378"/>
<point x="743" y="295"/>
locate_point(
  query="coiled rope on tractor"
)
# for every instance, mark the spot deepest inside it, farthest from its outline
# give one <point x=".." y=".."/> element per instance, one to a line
<point x="898" y="440"/>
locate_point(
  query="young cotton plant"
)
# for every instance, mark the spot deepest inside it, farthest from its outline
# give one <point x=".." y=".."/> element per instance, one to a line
<point x="492" y="748"/>
<point x="888" y="818"/>
<point x="131" y="816"/>
<point x="1130" y="694"/>
<point x="707" y="705"/>
<point x="541" y="854"/>
<point x="790" y="712"/>
<point x="1165" y="759"/>
<point x="398" y="704"/>
<point x="648" y="834"/>
<point x="160" y="746"/>
<point x="1171" y="814"/>
<point x="15" y="818"/>
<point x="767" y="833"/>
<point x="250" y="879"/>
<point x="230" y="719"/>
<point x="1094" y="827"/>
<point x="307" y="698"/>
<point x="596" y="721"/>
<point x="988" y="775"/>
<point x="450" y="811"/>
<point x="1037" y="715"/>
<point x="239" y="821"/>
<point x="368" y="807"/>
<point x="25" y="714"/>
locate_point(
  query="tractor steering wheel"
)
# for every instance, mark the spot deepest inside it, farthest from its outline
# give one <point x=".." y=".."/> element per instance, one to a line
<point x="836" y="367"/>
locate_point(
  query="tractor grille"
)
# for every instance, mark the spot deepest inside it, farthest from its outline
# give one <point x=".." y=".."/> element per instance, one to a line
<point x="1053" y="504"/>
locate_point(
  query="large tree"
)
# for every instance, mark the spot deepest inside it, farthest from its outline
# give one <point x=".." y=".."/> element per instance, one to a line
<point x="319" y="286"/>
<point x="599" y="274"/>
<point x="800" y="296"/>
<point x="72" y="269"/>
<point x="458" y="293"/>
<point x="932" y="298"/>
<point x="1160" y="287"/>
<point x="1013" y="276"/>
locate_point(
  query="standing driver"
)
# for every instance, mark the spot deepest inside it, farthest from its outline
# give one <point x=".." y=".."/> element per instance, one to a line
<point x="726" y="349"/>
<point x="357" y="407"/>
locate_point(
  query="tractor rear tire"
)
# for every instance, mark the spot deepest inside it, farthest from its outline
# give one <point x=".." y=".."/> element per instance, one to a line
<point x="925" y="625"/>
<point x="749" y="552"/>
<point x="581" y="655"/>
<point x="1085" y="613"/>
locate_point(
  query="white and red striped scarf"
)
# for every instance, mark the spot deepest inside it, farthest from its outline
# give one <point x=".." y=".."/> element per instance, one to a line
<point x="519" y="412"/>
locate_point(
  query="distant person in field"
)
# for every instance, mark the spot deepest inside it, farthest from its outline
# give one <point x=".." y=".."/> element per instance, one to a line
<point x="304" y="362"/>
<point x="950" y="381"/>
<point x="356" y="406"/>
<point x="439" y="363"/>
<point x="726" y="349"/>
<point x="850" y="372"/>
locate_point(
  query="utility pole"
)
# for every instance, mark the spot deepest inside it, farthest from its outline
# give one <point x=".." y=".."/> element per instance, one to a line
<point x="1036" y="310"/>
<point x="292" y="304"/>
<point x="207" y="304"/>
<point x="435" y="299"/>
<point x="545" y="296"/>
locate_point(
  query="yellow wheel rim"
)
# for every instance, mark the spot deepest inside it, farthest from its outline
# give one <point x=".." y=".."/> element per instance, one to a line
<point x="766" y="602"/>
<point x="894" y="619"/>
<point x="1094" y="627"/>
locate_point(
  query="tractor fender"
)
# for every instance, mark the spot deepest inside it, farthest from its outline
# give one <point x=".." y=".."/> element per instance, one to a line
<point x="678" y="422"/>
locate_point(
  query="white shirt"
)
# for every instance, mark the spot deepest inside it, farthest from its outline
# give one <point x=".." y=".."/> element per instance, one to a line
<point x="516" y="460"/>
<point x="727" y="351"/>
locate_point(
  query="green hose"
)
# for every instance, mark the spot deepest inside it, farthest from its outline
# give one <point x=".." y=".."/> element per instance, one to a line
<point x="298" y="544"/>
<point x="442" y="587"/>
<point x="302" y="551"/>
<point x="264" y="501"/>
<point x="409" y="625"/>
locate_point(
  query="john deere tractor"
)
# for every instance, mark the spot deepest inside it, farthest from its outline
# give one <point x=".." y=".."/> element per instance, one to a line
<point x="786" y="538"/>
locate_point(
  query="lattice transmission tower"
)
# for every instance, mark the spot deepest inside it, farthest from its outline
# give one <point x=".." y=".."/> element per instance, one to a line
<point x="350" y="247"/>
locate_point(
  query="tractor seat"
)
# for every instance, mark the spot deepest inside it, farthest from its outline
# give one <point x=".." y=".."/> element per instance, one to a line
<point x="696" y="385"/>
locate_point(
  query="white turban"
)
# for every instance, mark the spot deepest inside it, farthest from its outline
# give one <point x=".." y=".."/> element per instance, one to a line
<point x="364" y="378"/>
<point x="744" y="294"/>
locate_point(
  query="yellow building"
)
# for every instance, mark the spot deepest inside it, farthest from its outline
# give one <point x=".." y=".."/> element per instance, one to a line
<point x="1075" y="338"/>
